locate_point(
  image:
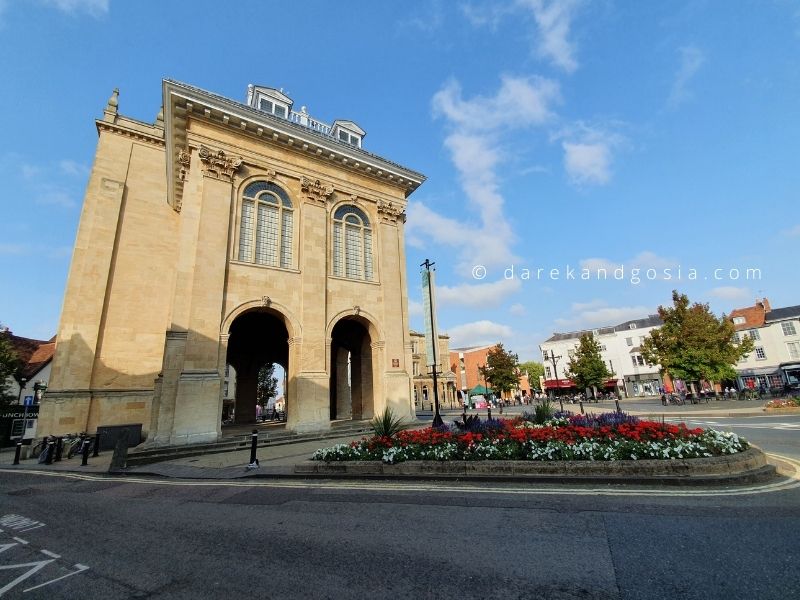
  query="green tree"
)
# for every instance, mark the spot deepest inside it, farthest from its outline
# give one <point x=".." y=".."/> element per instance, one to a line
<point x="267" y="384"/>
<point x="534" y="370"/>
<point x="693" y="343"/>
<point x="501" y="369"/>
<point x="587" y="367"/>
<point x="9" y="363"/>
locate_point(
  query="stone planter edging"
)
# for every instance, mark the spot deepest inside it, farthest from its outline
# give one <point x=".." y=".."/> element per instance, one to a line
<point x="731" y="465"/>
<point x="789" y="410"/>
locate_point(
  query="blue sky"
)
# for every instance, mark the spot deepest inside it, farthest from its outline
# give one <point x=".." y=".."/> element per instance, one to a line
<point x="582" y="134"/>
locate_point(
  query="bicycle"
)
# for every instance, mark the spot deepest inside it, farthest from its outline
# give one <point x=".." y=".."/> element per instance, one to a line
<point x="76" y="445"/>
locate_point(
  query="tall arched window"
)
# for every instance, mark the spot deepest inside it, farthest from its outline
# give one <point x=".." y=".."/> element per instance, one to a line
<point x="266" y="225"/>
<point x="352" y="243"/>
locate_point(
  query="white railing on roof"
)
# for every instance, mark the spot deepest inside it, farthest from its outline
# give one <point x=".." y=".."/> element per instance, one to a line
<point x="303" y="118"/>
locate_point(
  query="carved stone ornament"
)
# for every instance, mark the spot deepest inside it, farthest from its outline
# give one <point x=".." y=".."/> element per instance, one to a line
<point x="266" y="300"/>
<point x="219" y="165"/>
<point x="270" y="175"/>
<point x="184" y="159"/>
<point x="391" y="212"/>
<point x="314" y="189"/>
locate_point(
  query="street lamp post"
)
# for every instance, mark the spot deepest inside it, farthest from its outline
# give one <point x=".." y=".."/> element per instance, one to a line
<point x="554" y="360"/>
<point x="437" y="418"/>
<point x="22" y="382"/>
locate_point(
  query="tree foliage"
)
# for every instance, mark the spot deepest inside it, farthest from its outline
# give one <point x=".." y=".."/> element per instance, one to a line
<point x="267" y="384"/>
<point x="9" y="363"/>
<point x="534" y="370"/>
<point x="501" y="369"/>
<point x="587" y="367"/>
<point x="693" y="343"/>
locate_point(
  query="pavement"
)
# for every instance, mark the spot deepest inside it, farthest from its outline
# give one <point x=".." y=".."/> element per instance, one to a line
<point x="279" y="461"/>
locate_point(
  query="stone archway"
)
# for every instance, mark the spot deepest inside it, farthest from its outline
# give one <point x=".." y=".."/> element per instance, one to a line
<point x="257" y="337"/>
<point x="351" y="371"/>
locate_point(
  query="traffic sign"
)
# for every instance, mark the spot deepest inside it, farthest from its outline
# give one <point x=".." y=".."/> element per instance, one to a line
<point x="28" y="401"/>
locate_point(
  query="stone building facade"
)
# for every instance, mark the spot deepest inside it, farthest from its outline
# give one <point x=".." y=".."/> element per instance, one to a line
<point x="239" y="233"/>
<point x="422" y="375"/>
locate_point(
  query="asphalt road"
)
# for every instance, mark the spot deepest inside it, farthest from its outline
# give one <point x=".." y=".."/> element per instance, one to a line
<point x="103" y="538"/>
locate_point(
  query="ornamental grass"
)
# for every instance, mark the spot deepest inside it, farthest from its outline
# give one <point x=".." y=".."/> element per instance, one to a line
<point x="605" y="437"/>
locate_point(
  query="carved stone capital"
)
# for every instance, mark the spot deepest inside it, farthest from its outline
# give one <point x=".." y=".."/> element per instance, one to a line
<point x="391" y="212"/>
<point x="218" y="165"/>
<point x="315" y="190"/>
<point x="184" y="160"/>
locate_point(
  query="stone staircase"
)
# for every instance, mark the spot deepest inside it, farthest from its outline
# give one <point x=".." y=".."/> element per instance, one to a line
<point x="241" y="441"/>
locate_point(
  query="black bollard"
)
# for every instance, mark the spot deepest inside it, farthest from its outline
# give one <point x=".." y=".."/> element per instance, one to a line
<point x="51" y="450"/>
<point x="581" y="403"/>
<point x="617" y="403"/>
<point x="488" y="412"/>
<point x="253" y="446"/>
<point x="85" y="452"/>
<point x="17" y="452"/>
<point x="561" y="404"/>
<point x="59" y="449"/>
<point x="96" y="444"/>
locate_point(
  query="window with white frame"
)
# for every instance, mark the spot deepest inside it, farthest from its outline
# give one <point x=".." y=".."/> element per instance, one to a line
<point x="637" y="360"/>
<point x="352" y="244"/>
<point x="416" y="368"/>
<point x="547" y="372"/>
<point x="349" y="138"/>
<point x="266" y="225"/>
<point x="629" y="341"/>
<point x="794" y="350"/>
<point x="736" y="338"/>
<point x="755" y="335"/>
<point x="760" y="353"/>
<point x="775" y="381"/>
<point x="739" y="320"/>
<point x="788" y="328"/>
<point x="272" y="107"/>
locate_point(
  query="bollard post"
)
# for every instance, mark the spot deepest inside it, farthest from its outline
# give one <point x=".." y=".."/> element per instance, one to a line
<point x="617" y="403"/>
<point x="59" y="449"/>
<point x="253" y="446"/>
<point x="561" y="404"/>
<point x="581" y="403"/>
<point x="17" y="452"/>
<point x="85" y="452"/>
<point x="96" y="444"/>
<point x="51" y="450"/>
<point x="488" y="411"/>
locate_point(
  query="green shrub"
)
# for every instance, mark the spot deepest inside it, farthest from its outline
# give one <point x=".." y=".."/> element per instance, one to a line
<point x="387" y="424"/>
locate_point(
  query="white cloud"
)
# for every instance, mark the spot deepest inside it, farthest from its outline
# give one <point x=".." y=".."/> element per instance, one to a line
<point x="94" y="8"/>
<point x="601" y="316"/>
<point x="477" y="125"/>
<point x="518" y="310"/>
<point x="13" y="249"/>
<point x="414" y="308"/>
<point x="52" y="196"/>
<point x="793" y="231"/>
<point x="553" y="21"/>
<point x="486" y="15"/>
<point x="428" y="21"/>
<point x="692" y="58"/>
<point x="644" y="260"/>
<point x="478" y="295"/>
<point x="478" y="333"/>
<point x="30" y="171"/>
<point x="588" y="153"/>
<point x="73" y="168"/>
<point x="729" y="292"/>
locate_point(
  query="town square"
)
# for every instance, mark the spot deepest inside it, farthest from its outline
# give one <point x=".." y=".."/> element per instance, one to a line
<point x="434" y="300"/>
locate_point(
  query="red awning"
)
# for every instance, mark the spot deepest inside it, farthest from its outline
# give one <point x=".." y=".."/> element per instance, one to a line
<point x="558" y="383"/>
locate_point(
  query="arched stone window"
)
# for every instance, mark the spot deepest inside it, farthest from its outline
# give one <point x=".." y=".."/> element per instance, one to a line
<point x="352" y="243"/>
<point x="266" y="225"/>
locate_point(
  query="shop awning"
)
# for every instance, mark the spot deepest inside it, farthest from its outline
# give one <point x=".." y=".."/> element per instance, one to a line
<point x="480" y="390"/>
<point x="558" y="383"/>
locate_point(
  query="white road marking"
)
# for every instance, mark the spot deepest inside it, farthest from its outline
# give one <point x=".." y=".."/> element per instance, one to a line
<point x="80" y="569"/>
<point x="50" y="554"/>
<point x="20" y="540"/>
<point x="790" y="482"/>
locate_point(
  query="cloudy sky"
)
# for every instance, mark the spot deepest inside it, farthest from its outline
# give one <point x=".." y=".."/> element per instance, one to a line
<point x="561" y="140"/>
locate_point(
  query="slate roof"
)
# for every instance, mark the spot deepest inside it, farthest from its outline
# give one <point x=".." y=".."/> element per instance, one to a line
<point x="782" y="314"/>
<point x="649" y="321"/>
<point x="34" y="355"/>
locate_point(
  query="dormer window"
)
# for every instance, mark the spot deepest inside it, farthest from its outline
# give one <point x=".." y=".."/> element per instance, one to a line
<point x="274" y="108"/>
<point x="348" y="132"/>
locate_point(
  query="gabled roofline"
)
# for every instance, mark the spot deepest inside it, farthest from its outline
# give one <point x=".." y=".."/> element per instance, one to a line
<point x="182" y="101"/>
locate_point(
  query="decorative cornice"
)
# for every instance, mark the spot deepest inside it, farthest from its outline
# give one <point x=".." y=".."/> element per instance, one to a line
<point x="218" y="165"/>
<point x="315" y="190"/>
<point x="184" y="160"/>
<point x="155" y="139"/>
<point x="391" y="212"/>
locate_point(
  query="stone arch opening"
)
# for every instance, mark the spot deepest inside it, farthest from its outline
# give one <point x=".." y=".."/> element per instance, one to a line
<point x="351" y="381"/>
<point x="257" y="338"/>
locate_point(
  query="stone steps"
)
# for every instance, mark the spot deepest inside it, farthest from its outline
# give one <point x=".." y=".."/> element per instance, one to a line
<point x="242" y="442"/>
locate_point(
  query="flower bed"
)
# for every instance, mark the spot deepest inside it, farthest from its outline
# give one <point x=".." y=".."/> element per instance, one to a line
<point x="785" y="403"/>
<point x="608" y="437"/>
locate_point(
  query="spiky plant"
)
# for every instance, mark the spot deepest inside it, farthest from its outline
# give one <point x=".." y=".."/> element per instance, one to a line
<point x="387" y="424"/>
